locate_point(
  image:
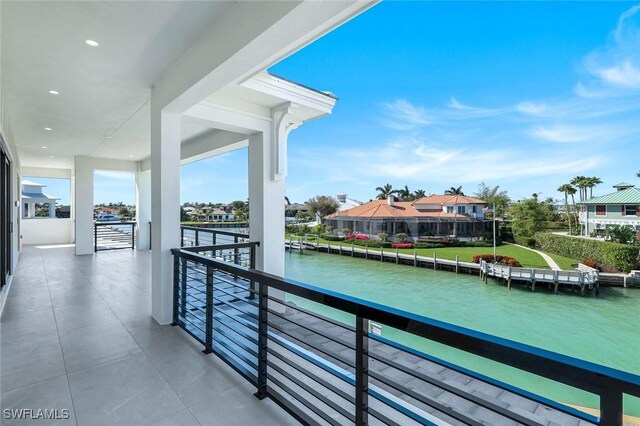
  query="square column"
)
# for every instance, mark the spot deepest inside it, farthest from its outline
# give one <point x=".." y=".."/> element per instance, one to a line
<point x="266" y="205"/>
<point x="83" y="205"/>
<point x="143" y="209"/>
<point x="165" y="209"/>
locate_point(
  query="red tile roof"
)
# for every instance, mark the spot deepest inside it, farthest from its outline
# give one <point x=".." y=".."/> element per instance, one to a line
<point x="380" y="209"/>
<point x="449" y="199"/>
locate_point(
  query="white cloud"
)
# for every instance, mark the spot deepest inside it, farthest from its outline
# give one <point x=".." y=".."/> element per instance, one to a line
<point x="531" y="108"/>
<point x="565" y="134"/>
<point x="623" y="75"/>
<point x="404" y="115"/>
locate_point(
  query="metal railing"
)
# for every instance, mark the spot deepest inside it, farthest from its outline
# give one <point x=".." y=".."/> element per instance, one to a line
<point x="193" y="236"/>
<point x="114" y="235"/>
<point x="326" y="372"/>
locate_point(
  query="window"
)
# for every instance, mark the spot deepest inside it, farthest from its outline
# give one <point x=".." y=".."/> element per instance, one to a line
<point x="449" y="209"/>
<point x="461" y="209"/>
<point x="601" y="210"/>
<point x="630" y="210"/>
<point x="474" y="209"/>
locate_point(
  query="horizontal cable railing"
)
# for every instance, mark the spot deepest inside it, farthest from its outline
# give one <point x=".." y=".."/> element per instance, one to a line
<point x="191" y="236"/>
<point x="114" y="235"/>
<point x="325" y="371"/>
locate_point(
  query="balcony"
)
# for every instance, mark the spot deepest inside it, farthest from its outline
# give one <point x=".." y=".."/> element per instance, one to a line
<point x="78" y="335"/>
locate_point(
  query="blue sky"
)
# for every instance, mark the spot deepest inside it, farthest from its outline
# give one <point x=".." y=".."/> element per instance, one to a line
<point x="525" y="95"/>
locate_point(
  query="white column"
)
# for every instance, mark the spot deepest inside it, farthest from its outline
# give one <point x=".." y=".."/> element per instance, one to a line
<point x="165" y="209"/>
<point x="52" y="210"/>
<point x="83" y="206"/>
<point x="266" y="206"/>
<point x="143" y="208"/>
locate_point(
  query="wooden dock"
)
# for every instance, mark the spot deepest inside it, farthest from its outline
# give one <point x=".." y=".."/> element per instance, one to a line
<point x="585" y="278"/>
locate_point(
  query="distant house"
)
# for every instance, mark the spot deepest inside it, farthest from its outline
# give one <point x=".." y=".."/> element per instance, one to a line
<point x="436" y="215"/>
<point x="621" y="208"/>
<point x="346" y="202"/>
<point x="35" y="202"/>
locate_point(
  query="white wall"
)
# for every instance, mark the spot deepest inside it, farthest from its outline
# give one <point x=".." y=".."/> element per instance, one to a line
<point x="47" y="231"/>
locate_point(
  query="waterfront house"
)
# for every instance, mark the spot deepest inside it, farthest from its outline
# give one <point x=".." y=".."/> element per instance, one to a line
<point x="456" y="216"/>
<point x="619" y="208"/>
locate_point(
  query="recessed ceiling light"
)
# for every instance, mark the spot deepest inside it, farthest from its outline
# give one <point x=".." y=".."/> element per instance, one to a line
<point x="54" y="92"/>
<point x="43" y="147"/>
<point x="131" y="156"/>
<point x="48" y="129"/>
<point x="108" y="137"/>
<point x="51" y="156"/>
<point x="92" y="43"/>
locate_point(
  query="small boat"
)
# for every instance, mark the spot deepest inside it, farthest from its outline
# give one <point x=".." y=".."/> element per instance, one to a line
<point x="108" y="217"/>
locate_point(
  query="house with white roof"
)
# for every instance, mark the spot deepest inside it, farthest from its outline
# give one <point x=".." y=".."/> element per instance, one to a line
<point x="32" y="197"/>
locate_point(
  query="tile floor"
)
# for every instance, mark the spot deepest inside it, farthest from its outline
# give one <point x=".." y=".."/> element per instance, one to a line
<point x="77" y="334"/>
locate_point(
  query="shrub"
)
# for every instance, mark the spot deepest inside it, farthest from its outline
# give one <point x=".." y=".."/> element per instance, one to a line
<point x="332" y="237"/>
<point x="401" y="237"/>
<point x="427" y="245"/>
<point x="368" y="243"/>
<point x="505" y="260"/>
<point x="402" y="245"/>
<point x="383" y="236"/>
<point x="524" y="241"/>
<point x="621" y="257"/>
<point x="587" y="261"/>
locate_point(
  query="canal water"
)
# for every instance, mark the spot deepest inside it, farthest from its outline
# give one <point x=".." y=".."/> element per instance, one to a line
<point x="603" y="329"/>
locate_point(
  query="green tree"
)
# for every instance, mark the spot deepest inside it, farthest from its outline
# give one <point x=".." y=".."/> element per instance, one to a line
<point x="183" y="215"/>
<point x="530" y="216"/>
<point x="581" y="183"/>
<point x="621" y="234"/>
<point x="567" y="190"/>
<point x="405" y="194"/>
<point x="419" y="193"/>
<point x="493" y="195"/>
<point x="590" y="183"/>
<point x="323" y="205"/>
<point x="454" y="191"/>
<point x="385" y="192"/>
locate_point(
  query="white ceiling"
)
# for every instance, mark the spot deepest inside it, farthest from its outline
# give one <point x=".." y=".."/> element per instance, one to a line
<point x="104" y="91"/>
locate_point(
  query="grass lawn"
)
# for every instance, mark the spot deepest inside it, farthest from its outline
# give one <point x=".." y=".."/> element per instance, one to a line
<point x="527" y="258"/>
<point x="563" y="262"/>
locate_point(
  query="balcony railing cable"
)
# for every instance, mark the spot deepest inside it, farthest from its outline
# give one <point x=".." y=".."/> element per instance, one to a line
<point x="324" y="371"/>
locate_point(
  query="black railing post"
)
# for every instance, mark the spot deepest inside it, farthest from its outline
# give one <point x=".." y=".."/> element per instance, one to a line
<point x="208" y="340"/>
<point x="263" y="318"/>
<point x="197" y="237"/>
<point x="252" y="265"/>
<point x="362" y="372"/>
<point x="133" y="235"/>
<point x="183" y="287"/>
<point x="176" y="292"/>
<point x="611" y="407"/>
<point x="236" y="254"/>
<point x="181" y="237"/>
<point x="214" y="238"/>
<point x="95" y="237"/>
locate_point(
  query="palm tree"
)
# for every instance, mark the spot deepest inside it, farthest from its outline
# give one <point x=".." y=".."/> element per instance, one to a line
<point x="581" y="183"/>
<point x="419" y="193"/>
<point x="567" y="189"/>
<point x="454" y="191"/>
<point x="385" y="192"/>
<point x="404" y="194"/>
<point x="590" y="183"/>
<point x="638" y="174"/>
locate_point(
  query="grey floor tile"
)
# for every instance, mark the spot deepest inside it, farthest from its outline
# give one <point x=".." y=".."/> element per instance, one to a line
<point x="30" y="361"/>
<point x="52" y="394"/>
<point x="94" y="311"/>
<point x="26" y="325"/>
<point x="96" y="344"/>
<point x="127" y="392"/>
<point x="241" y="408"/>
<point x="182" y="418"/>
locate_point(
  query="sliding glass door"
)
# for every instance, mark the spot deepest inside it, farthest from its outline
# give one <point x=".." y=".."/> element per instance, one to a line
<point x="6" y="227"/>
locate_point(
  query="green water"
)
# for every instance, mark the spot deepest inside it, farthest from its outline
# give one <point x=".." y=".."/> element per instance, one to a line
<point x="603" y="329"/>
